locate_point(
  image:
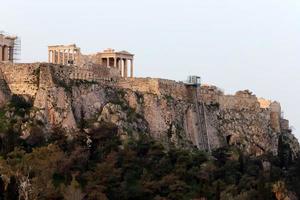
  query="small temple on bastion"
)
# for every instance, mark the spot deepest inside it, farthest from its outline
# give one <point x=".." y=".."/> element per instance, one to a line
<point x="122" y="61"/>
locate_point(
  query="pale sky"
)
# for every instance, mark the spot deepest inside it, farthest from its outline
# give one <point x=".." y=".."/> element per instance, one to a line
<point x="234" y="44"/>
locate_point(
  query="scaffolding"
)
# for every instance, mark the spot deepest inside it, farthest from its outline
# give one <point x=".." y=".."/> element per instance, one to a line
<point x="15" y="55"/>
<point x="17" y="50"/>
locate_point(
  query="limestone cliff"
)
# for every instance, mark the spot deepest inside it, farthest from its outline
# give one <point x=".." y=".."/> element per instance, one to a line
<point x="169" y="111"/>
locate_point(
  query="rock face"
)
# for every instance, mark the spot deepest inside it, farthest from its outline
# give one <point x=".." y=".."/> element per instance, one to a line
<point x="169" y="111"/>
<point x="5" y="93"/>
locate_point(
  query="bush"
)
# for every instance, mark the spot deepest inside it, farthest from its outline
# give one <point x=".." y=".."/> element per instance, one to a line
<point x="20" y="102"/>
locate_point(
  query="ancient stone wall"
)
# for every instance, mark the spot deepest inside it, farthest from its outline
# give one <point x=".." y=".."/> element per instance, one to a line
<point x="82" y="73"/>
<point x="145" y="85"/>
<point x="104" y="73"/>
<point x="89" y="59"/>
<point x="21" y="78"/>
<point x="93" y="72"/>
<point x="264" y="103"/>
<point x="238" y="102"/>
<point x="45" y="77"/>
<point x="160" y="87"/>
<point x="179" y="90"/>
<point x="61" y="73"/>
<point x="210" y="94"/>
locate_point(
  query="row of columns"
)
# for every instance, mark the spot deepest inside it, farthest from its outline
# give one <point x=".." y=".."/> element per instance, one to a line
<point x="121" y="64"/>
<point x="6" y="53"/>
<point x="64" y="57"/>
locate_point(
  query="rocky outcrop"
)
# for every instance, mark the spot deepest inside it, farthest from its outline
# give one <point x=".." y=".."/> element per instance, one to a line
<point x="170" y="112"/>
<point x="5" y="93"/>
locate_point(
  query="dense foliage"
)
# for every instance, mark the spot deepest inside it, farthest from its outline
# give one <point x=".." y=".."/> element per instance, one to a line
<point x="99" y="165"/>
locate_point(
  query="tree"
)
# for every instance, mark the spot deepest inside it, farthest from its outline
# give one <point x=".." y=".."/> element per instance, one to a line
<point x="12" y="189"/>
<point x="24" y="187"/>
<point x="2" y="187"/>
<point x="73" y="191"/>
<point x="284" y="152"/>
<point x="280" y="191"/>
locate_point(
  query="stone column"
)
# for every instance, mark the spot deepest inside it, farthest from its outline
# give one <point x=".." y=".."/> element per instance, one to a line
<point x="49" y="52"/>
<point x="107" y="62"/>
<point x="125" y="69"/>
<point x="11" y="54"/>
<point x="1" y="53"/>
<point x="53" y="56"/>
<point x="115" y="62"/>
<point x="68" y="56"/>
<point x="131" y="68"/>
<point x="73" y="56"/>
<point x="120" y="66"/>
<point x="63" y="57"/>
<point x="58" y="57"/>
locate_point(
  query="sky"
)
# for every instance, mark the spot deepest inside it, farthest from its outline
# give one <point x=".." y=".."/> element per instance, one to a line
<point x="233" y="44"/>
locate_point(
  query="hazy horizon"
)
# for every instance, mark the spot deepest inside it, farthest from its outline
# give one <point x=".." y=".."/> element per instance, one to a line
<point x="232" y="44"/>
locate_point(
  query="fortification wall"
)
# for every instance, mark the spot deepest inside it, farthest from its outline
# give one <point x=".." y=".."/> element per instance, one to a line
<point x="144" y="85"/>
<point x="21" y="78"/>
<point x="210" y="94"/>
<point x="89" y="71"/>
<point x="60" y="73"/>
<point x="160" y="87"/>
<point x="25" y="79"/>
<point x="178" y="90"/>
<point x="104" y="73"/>
<point x="264" y="103"/>
<point x="241" y="101"/>
<point x="82" y="74"/>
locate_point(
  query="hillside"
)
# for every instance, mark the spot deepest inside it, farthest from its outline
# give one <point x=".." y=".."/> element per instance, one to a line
<point x="138" y="138"/>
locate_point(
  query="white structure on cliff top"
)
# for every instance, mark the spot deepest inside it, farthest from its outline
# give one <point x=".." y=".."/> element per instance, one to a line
<point x="193" y="81"/>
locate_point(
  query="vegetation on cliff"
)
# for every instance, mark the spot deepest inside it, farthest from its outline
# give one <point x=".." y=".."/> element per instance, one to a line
<point x="100" y="165"/>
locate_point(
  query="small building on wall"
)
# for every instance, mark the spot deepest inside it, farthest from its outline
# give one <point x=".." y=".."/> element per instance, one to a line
<point x="121" y="61"/>
<point x="7" y="47"/>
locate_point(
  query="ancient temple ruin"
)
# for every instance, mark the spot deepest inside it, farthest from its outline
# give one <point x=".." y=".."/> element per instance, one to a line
<point x="8" y="48"/>
<point x="63" y="54"/>
<point x="109" y="58"/>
